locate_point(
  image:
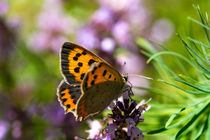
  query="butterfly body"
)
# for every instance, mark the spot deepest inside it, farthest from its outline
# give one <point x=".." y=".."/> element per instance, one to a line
<point x="90" y="83"/>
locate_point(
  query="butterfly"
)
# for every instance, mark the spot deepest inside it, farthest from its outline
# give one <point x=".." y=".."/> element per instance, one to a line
<point x="90" y="83"/>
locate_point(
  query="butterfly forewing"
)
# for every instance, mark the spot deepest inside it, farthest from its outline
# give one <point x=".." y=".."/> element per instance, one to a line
<point x="76" y="61"/>
<point x="101" y="85"/>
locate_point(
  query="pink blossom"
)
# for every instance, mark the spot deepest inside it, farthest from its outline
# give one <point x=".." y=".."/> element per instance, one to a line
<point x="4" y="126"/>
<point x="162" y="30"/>
<point x="88" y="38"/>
<point x="4" y="6"/>
<point x="108" y="45"/>
<point x="121" y="32"/>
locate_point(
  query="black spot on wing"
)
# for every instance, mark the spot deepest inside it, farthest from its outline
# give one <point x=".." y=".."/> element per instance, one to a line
<point x="78" y="55"/>
<point x="68" y="106"/>
<point x="64" y="100"/>
<point x="104" y="73"/>
<point x="91" y="61"/>
<point x="95" y="76"/>
<point x="94" y="69"/>
<point x="75" y="58"/>
<point x="110" y="76"/>
<point x="84" y="53"/>
<point x="80" y="64"/>
<point x="77" y="69"/>
<point x="82" y="76"/>
<point x="92" y="82"/>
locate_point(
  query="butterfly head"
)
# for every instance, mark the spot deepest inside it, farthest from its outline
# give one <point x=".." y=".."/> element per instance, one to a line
<point x="125" y="78"/>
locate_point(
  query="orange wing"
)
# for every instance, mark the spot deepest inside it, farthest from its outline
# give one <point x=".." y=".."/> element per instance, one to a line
<point x="101" y="85"/>
<point x="76" y="61"/>
<point x="68" y="96"/>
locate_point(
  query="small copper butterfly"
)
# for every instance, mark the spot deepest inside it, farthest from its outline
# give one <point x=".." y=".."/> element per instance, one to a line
<point x="90" y="83"/>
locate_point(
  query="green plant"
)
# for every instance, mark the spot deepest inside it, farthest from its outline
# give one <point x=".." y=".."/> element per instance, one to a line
<point x="181" y="101"/>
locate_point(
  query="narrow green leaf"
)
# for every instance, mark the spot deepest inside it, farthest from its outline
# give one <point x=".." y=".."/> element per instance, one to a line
<point x="145" y="45"/>
<point x="198" y="22"/>
<point x="198" y="42"/>
<point x="201" y="131"/>
<point x="193" y="51"/>
<point x="170" y="53"/>
<point x="206" y="69"/>
<point x="195" y="117"/>
<point x="191" y="85"/>
<point x="203" y="22"/>
<point x="187" y="91"/>
<point x="177" y="113"/>
<point x="172" y="126"/>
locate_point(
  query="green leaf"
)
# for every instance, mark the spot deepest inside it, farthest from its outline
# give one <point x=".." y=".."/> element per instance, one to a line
<point x="177" y="113"/>
<point x="194" y="20"/>
<point x="191" y="85"/>
<point x="198" y="42"/>
<point x="195" y="117"/>
<point x="170" y="53"/>
<point x="187" y="91"/>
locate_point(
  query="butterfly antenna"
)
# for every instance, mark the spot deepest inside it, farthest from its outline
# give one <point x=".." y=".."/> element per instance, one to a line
<point x="141" y="76"/>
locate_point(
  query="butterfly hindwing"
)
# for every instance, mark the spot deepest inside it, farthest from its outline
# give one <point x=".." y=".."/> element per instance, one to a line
<point x="68" y="96"/>
<point x="75" y="62"/>
<point x="101" y="85"/>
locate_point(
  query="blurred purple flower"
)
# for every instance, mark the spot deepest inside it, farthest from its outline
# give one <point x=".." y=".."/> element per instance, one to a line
<point x="16" y="131"/>
<point x="53" y="27"/>
<point x="108" y="45"/>
<point x="54" y="114"/>
<point x="118" y="5"/>
<point x="162" y="30"/>
<point x="139" y="19"/>
<point x="95" y="127"/>
<point x="121" y="32"/>
<point x="4" y="127"/>
<point x="3" y="7"/>
<point x="103" y="18"/>
<point x="87" y="37"/>
<point x="136" y="82"/>
<point x="131" y="63"/>
<point x="54" y="21"/>
<point x="110" y="131"/>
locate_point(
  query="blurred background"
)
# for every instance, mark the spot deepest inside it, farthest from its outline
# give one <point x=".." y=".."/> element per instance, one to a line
<point x="32" y="32"/>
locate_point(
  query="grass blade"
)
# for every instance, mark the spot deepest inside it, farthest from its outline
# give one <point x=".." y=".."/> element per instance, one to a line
<point x="191" y="85"/>
<point x="177" y="113"/>
<point x="195" y="117"/>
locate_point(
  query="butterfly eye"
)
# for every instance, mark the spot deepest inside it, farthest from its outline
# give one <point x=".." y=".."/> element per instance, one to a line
<point x="125" y="77"/>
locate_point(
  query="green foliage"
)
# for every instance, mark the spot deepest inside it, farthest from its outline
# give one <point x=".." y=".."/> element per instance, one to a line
<point x="183" y="107"/>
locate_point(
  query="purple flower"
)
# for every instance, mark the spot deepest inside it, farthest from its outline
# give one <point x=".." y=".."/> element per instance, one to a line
<point x="103" y="18"/>
<point x="123" y="121"/>
<point x="3" y="7"/>
<point x="110" y="131"/>
<point x="88" y="38"/>
<point x="53" y="27"/>
<point x="95" y="127"/>
<point x="17" y="126"/>
<point x="128" y="61"/>
<point x="118" y="5"/>
<point x="4" y="126"/>
<point x="121" y="32"/>
<point x="108" y="45"/>
<point x="162" y="30"/>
